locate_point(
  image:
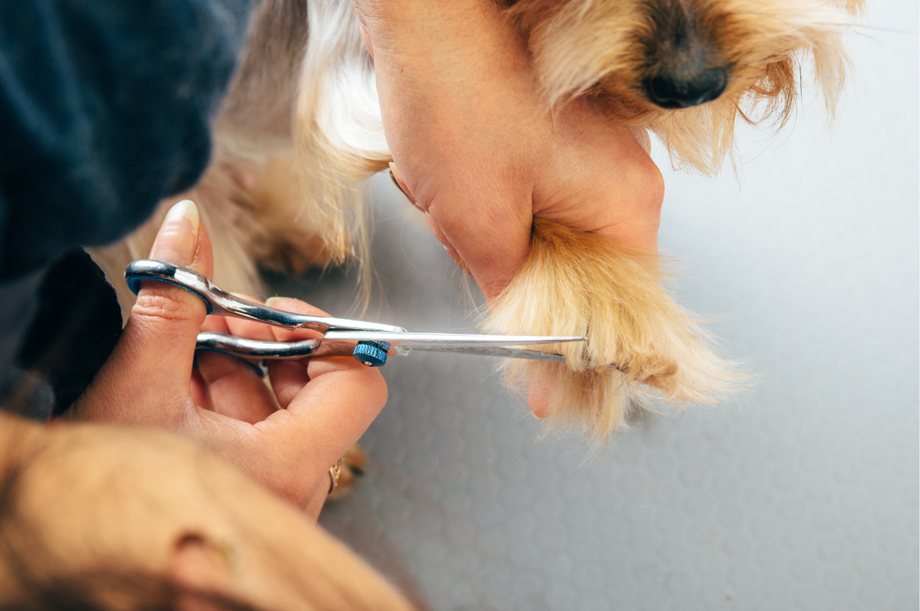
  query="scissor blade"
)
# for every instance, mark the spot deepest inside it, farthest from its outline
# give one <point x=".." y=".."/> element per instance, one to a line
<point x="340" y="343"/>
<point x="496" y="351"/>
<point x="448" y="342"/>
<point x="344" y="346"/>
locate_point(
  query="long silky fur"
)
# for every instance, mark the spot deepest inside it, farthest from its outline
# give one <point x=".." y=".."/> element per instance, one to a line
<point x="641" y="344"/>
<point x="339" y="131"/>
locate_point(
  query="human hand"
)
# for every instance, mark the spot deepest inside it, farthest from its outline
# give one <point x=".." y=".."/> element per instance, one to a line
<point x="106" y="517"/>
<point x="478" y="148"/>
<point x="287" y="440"/>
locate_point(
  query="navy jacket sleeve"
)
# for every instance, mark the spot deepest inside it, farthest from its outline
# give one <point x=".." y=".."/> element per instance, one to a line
<point x="105" y="109"/>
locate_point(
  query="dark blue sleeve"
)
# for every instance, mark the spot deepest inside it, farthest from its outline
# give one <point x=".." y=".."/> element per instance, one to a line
<point x="105" y="109"/>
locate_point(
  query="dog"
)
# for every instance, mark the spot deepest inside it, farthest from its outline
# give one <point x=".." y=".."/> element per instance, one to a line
<point x="301" y="130"/>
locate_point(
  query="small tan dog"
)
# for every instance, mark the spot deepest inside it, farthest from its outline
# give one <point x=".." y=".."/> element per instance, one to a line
<point x="300" y="131"/>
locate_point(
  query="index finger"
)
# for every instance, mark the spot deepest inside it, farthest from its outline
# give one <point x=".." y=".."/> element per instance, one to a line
<point x="289" y="377"/>
<point x="329" y="402"/>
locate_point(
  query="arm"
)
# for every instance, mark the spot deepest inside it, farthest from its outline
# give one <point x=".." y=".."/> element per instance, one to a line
<point x="105" y="108"/>
<point x="105" y="517"/>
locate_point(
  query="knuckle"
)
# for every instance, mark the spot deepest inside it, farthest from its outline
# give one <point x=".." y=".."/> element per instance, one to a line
<point x="166" y="305"/>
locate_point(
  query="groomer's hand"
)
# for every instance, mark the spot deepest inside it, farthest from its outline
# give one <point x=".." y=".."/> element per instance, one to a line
<point x="287" y="440"/>
<point x="479" y="149"/>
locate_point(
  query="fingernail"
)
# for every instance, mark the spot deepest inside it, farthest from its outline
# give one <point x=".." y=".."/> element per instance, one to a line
<point x="271" y="301"/>
<point x="177" y="239"/>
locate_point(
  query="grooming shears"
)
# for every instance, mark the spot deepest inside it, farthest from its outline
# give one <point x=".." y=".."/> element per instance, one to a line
<point x="368" y="342"/>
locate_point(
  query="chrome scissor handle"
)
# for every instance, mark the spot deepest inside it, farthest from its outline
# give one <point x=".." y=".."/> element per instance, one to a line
<point x="219" y="301"/>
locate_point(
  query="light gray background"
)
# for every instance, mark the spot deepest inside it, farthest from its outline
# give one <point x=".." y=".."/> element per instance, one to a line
<point x="804" y="495"/>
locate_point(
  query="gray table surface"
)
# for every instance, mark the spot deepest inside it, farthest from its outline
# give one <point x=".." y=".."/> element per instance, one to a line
<point x="802" y="495"/>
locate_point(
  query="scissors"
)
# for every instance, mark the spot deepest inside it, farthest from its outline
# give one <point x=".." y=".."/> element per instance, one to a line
<point x="370" y="343"/>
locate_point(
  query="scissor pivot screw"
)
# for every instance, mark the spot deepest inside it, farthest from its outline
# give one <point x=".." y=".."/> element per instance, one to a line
<point x="372" y="354"/>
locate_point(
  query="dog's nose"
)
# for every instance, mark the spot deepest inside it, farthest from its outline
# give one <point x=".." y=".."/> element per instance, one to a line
<point x="681" y="89"/>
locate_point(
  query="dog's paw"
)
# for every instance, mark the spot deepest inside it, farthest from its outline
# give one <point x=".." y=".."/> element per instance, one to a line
<point x="291" y="253"/>
<point x="641" y="344"/>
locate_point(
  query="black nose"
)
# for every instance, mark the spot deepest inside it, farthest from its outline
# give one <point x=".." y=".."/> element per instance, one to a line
<point x="682" y="89"/>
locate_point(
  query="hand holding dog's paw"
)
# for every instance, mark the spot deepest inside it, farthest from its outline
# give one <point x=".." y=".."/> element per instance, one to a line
<point x="479" y="149"/>
<point x="546" y="209"/>
<point x="285" y="437"/>
<point x="553" y="209"/>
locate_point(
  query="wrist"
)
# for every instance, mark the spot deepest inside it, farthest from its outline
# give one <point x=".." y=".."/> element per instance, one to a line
<point x="18" y="437"/>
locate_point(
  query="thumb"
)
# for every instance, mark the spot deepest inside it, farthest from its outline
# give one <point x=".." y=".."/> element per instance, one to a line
<point x="147" y="378"/>
<point x="166" y="319"/>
